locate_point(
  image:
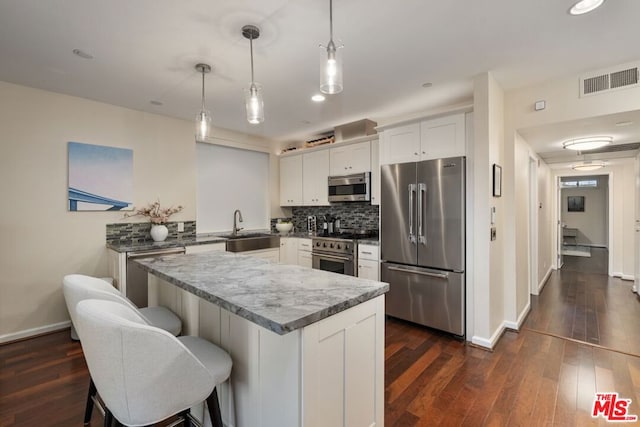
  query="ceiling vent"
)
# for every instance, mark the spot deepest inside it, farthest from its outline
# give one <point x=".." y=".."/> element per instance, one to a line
<point x="615" y="148"/>
<point x="621" y="77"/>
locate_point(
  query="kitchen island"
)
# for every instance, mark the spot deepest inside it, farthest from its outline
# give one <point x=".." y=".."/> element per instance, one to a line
<point x="307" y="345"/>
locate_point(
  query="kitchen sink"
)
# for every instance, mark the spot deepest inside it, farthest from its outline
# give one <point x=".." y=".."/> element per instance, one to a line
<point x="251" y="242"/>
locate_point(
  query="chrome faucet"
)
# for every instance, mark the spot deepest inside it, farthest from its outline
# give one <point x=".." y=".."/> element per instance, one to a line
<point x="237" y="214"/>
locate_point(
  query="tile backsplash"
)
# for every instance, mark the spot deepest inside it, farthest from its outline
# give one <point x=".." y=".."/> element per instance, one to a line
<point x="357" y="215"/>
<point x="137" y="232"/>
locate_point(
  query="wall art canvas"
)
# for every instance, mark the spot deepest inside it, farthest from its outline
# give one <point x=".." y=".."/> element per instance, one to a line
<point x="100" y="178"/>
<point x="575" y="203"/>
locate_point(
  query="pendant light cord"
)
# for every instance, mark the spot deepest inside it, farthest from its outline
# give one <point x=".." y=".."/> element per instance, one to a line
<point x="251" y="49"/>
<point x="330" y="20"/>
<point x="203" y="89"/>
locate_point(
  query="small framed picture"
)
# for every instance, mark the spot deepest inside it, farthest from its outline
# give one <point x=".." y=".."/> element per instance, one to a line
<point x="575" y="203"/>
<point x="497" y="180"/>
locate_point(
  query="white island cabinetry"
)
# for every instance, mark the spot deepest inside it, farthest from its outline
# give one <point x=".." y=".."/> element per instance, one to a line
<point x="297" y="360"/>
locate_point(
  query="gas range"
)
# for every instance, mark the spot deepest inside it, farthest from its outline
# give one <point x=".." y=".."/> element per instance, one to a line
<point x="340" y="243"/>
<point x="333" y="245"/>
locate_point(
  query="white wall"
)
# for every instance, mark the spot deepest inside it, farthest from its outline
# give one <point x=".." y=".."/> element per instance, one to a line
<point x="42" y="241"/>
<point x="487" y="280"/>
<point x="545" y="223"/>
<point x="592" y="223"/>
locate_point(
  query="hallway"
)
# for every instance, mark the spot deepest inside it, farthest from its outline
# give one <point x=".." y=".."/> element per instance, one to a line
<point x="582" y="303"/>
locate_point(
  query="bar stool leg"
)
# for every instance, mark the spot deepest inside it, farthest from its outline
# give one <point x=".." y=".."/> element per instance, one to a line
<point x="89" y="408"/>
<point x="108" y="417"/>
<point x="214" y="409"/>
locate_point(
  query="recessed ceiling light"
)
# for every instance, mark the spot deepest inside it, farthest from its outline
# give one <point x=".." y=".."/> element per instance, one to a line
<point x="588" y="166"/>
<point x="82" y="54"/>
<point x="627" y="123"/>
<point x="154" y="102"/>
<point x="582" y="144"/>
<point x="427" y="84"/>
<point x="317" y="98"/>
<point x="585" y="6"/>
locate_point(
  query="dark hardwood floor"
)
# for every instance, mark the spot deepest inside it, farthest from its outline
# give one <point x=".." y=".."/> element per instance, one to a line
<point x="534" y="377"/>
<point x="580" y="301"/>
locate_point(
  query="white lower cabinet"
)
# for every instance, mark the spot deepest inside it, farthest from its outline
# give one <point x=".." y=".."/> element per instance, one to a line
<point x="330" y="373"/>
<point x="288" y="250"/>
<point x="272" y="255"/>
<point x="368" y="269"/>
<point x="304" y="253"/>
<point x="369" y="262"/>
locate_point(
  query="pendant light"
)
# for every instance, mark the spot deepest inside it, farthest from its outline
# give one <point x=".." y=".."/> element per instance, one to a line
<point x="330" y="62"/>
<point x="203" y="119"/>
<point x="253" y="95"/>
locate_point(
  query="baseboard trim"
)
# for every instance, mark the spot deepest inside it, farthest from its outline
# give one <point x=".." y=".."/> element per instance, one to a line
<point x="491" y="342"/>
<point x="627" y="277"/>
<point x="518" y="323"/>
<point x="28" y="333"/>
<point x="544" y="280"/>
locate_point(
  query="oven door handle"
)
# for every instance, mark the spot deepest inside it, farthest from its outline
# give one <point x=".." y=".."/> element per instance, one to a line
<point x="331" y="257"/>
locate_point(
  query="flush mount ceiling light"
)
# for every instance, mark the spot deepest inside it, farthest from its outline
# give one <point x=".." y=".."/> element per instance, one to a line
<point x="330" y="62"/>
<point x="588" y="165"/>
<point x="584" y="144"/>
<point x="253" y="95"/>
<point x="317" y="98"/>
<point x="585" y="6"/>
<point x="203" y="119"/>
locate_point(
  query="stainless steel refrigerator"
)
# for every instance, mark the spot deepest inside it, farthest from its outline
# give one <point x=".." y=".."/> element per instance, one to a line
<point x="422" y="235"/>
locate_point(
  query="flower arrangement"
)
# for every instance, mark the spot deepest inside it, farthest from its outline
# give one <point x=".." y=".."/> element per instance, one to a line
<point x="155" y="213"/>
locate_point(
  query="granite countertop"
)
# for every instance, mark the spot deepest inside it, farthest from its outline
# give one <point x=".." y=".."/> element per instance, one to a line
<point x="130" y="246"/>
<point x="200" y="239"/>
<point x="281" y="298"/>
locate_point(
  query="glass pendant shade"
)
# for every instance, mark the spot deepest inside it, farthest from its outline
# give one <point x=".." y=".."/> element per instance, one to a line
<point x="203" y="125"/>
<point x="254" y="103"/>
<point x="330" y="70"/>
<point x="203" y="118"/>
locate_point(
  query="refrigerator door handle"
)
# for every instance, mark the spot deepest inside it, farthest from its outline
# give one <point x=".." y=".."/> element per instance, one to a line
<point x="422" y="189"/>
<point x="422" y="273"/>
<point x="412" y="191"/>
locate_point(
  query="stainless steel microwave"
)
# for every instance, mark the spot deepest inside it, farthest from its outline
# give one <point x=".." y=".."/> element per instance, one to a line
<point x="350" y="188"/>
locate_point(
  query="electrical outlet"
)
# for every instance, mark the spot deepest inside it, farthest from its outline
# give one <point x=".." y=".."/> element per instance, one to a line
<point x="180" y="227"/>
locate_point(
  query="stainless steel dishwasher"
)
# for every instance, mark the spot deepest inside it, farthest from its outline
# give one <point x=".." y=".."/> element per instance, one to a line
<point x="137" y="287"/>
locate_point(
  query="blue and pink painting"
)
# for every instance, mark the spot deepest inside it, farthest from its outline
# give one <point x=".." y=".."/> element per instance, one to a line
<point x="100" y="178"/>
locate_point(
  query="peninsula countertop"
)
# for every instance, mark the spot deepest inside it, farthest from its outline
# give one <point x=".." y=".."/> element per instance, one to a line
<point x="281" y="298"/>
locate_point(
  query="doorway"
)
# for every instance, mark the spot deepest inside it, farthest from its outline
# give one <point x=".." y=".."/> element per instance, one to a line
<point x="585" y="233"/>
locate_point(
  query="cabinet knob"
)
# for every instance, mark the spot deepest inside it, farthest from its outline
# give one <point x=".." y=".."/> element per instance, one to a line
<point x="424" y="152"/>
<point x="415" y="154"/>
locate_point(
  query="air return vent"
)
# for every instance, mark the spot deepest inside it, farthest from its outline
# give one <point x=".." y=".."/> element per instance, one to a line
<point x="622" y="77"/>
<point x="615" y="148"/>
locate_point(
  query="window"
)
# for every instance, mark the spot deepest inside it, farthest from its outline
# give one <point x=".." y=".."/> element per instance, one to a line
<point x="229" y="179"/>
<point x="582" y="183"/>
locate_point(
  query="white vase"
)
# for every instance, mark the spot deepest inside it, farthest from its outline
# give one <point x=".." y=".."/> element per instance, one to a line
<point x="159" y="232"/>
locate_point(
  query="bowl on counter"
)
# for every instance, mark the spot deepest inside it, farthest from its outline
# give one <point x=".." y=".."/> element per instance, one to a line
<point x="284" y="227"/>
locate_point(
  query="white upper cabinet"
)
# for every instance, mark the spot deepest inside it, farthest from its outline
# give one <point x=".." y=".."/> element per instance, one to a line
<point x="442" y="137"/>
<point x="429" y="139"/>
<point x="315" y="172"/>
<point x="291" y="181"/>
<point x="401" y="144"/>
<point x="352" y="158"/>
<point x="375" y="172"/>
